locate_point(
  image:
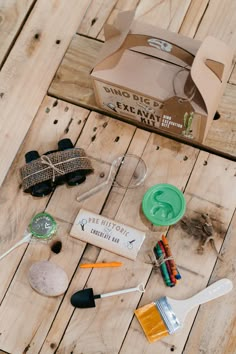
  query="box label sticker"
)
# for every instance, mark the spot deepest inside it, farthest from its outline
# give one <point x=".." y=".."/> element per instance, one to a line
<point x="129" y="104"/>
<point x="179" y="118"/>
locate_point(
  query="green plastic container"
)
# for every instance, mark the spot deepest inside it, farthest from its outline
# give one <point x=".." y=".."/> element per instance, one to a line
<point x="163" y="204"/>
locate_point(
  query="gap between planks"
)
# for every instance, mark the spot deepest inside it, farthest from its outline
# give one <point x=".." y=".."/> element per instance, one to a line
<point x="21" y="92"/>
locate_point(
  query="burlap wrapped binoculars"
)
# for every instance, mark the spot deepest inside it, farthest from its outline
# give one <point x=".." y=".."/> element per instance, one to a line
<point x="67" y="165"/>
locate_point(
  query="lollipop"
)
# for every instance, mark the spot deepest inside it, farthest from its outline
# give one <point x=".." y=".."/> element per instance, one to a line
<point x="42" y="227"/>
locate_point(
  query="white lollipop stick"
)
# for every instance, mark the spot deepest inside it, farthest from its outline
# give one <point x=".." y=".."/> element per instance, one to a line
<point x="26" y="238"/>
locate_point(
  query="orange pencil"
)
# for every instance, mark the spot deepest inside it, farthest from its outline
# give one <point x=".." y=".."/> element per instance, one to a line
<point x="169" y="254"/>
<point x="101" y="265"/>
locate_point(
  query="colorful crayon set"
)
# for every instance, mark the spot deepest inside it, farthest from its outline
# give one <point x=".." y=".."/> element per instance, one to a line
<point x="166" y="262"/>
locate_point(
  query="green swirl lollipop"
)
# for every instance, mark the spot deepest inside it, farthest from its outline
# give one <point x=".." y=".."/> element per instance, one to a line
<point x="42" y="227"/>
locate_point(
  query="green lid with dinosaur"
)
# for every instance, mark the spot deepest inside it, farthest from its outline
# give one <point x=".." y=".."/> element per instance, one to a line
<point x="163" y="204"/>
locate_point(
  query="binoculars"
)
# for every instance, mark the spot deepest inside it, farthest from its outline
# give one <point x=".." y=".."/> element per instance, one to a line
<point x="47" y="186"/>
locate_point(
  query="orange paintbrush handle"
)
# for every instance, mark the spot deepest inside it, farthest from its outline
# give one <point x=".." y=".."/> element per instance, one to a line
<point x="101" y="265"/>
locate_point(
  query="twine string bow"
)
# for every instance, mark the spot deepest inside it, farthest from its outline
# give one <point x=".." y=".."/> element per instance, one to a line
<point x="46" y="161"/>
<point x="162" y="259"/>
<point x="158" y="262"/>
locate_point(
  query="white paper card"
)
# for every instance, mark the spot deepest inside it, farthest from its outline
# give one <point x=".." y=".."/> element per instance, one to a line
<point x="108" y="234"/>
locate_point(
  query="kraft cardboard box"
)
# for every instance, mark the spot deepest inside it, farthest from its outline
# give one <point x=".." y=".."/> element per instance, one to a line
<point x="159" y="78"/>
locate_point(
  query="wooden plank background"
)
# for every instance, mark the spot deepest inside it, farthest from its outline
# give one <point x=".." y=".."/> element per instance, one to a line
<point x="27" y="72"/>
<point x="212" y="338"/>
<point x="39" y="53"/>
<point x="49" y="126"/>
<point x="13" y="13"/>
<point x="16" y="215"/>
<point x="202" y="194"/>
<point x="127" y="210"/>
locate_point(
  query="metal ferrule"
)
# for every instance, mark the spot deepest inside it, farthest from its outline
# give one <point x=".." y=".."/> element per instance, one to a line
<point x="171" y="321"/>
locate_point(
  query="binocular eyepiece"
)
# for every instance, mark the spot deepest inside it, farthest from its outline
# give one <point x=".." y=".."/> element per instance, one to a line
<point x="41" y="189"/>
<point x="71" y="178"/>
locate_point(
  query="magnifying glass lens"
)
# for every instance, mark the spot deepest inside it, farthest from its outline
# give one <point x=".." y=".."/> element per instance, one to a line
<point x="132" y="172"/>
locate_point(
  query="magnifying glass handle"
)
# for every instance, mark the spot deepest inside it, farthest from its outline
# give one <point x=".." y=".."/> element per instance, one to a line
<point x="110" y="179"/>
<point x="26" y="238"/>
<point x="92" y="191"/>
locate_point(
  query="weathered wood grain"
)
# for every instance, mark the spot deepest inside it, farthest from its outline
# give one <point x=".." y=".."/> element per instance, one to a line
<point x="55" y="334"/>
<point x="216" y="18"/>
<point x="214" y="330"/>
<point x="73" y="83"/>
<point x="30" y="67"/>
<point x="26" y="315"/>
<point x="222" y="133"/>
<point x="167" y="14"/>
<point x="52" y="123"/>
<point x="206" y="192"/>
<point x="55" y="120"/>
<point x="219" y="21"/>
<point x="98" y="328"/>
<point x="193" y="17"/>
<point x="12" y="16"/>
<point x="164" y="13"/>
<point x="30" y="323"/>
<point x="95" y="17"/>
<point x="121" y="5"/>
<point x="48" y="128"/>
<point x="232" y="79"/>
<point x="99" y="140"/>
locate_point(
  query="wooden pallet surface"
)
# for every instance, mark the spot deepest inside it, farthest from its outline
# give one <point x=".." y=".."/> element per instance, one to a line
<point x="41" y="53"/>
<point x="93" y="326"/>
<point x="212" y="339"/>
<point x="12" y="16"/>
<point x="167" y="14"/>
<point x="201" y="195"/>
<point x="215" y="18"/>
<point x="16" y="214"/>
<point x="50" y="125"/>
<point x="28" y="71"/>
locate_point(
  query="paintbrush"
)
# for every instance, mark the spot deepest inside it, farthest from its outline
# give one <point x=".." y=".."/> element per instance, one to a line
<point x="165" y="316"/>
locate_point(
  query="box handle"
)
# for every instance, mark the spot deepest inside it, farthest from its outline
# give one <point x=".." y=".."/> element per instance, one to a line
<point x="139" y="40"/>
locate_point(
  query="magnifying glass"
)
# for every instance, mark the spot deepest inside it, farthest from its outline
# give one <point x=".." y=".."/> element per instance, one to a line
<point x="126" y="171"/>
<point x="42" y="227"/>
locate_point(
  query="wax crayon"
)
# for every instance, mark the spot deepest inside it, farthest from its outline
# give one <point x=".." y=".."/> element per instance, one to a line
<point x="159" y="254"/>
<point x="169" y="254"/>
<point x="172" y="277"/>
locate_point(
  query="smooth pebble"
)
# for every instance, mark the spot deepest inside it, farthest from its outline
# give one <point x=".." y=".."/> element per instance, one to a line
<point x="48" y="278"/>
